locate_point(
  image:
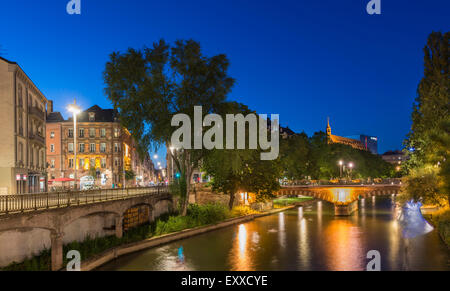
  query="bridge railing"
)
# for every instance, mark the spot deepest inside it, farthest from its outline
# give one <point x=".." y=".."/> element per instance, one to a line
<point x="18" y="203"/>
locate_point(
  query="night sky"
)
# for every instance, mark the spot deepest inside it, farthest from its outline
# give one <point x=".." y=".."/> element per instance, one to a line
<point x="304" y="60"/>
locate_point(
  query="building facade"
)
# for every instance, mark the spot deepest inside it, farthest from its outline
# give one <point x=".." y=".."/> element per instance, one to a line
<point x="361" y="142"/>
<point x="22" y="124"/>
<point x="105" y="150"/>
<point x="396" y="158"/>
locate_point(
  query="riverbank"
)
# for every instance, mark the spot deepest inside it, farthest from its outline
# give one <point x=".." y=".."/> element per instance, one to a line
<point x="441" y="221"/>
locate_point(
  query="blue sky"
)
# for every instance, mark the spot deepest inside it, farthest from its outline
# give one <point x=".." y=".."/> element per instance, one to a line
<point x="304" y="60"/>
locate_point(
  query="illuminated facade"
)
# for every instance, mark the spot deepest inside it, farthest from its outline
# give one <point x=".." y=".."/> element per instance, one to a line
<point x="361" y="142"/>
<point x="105" y="150"/>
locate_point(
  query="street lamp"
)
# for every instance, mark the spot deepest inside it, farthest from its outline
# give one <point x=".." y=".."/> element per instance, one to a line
<point x="340" y="167"/>
<point x="155" y="156"/>
<point x="350" y="165"/>
<point x="75" y="109"/>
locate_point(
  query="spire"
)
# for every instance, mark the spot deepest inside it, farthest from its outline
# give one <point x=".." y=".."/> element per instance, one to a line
<point x="328" y="129"/>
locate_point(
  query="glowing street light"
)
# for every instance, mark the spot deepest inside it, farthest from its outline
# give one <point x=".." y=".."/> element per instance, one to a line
<point x="155" y="156"/>
<point x="341" y="163"/>
<point x="350" y="165"/>
<point x="75" y="109"/>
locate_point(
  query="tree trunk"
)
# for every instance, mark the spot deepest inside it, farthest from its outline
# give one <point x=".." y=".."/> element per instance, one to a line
<point x="188" y="172"/>
<point x="231" y="203"/>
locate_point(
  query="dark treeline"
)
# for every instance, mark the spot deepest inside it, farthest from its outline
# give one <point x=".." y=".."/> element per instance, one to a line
<point x="302" y="156"/>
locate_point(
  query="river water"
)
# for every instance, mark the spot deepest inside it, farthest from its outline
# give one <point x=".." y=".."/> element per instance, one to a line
<point x="304" y="238"/>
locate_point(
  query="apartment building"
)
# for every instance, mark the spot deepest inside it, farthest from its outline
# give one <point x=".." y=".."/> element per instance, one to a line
<point x="23" y="129"/>
<point x="105" y="150"/>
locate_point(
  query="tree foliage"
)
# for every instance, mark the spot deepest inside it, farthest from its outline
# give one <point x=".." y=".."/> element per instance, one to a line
<point x="432" y="103"/>
<point x="428" y="142"/>
<point x="313" y="157"/>
<point x="149" y="86"/>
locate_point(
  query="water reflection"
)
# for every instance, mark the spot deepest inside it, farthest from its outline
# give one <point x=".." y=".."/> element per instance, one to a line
<point x="240" y="258"/>
<point x="281" y="230"/>
<point x="308" y="238"/>
<point x="303" y="245"/>
<point x="343" y="246"/>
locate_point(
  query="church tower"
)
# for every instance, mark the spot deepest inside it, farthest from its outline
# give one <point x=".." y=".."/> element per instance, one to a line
<point x="328" y="130"/>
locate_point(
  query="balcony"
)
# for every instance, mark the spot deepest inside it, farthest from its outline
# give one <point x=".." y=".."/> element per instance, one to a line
<point x="34" y="111"/>
<point x="37" y="137"/>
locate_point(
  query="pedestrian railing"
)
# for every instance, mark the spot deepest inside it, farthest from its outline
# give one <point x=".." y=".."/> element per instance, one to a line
<point x="18" y="203"/>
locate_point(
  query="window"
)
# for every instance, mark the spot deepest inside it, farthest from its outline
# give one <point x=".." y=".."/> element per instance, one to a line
<point x="116" y="147"/>
<point x="52" y="148"/>
<point x="92" y="147"/>
<point x="20" y="96"/>
<point x="52" y="164"/>
<point x="91" y="132"/>
<point x="91" y="116"/>
<point x="102" y="132"/>
<point x="116" y="132"/>
<point x="70" y="163"/>
<point x="116" y="162"/>
<point x="81" y="148"/>
<point x="70" y="147"/>
<point x="81" y="163"/>
<point x="52" y="134"/>
<point x="103" y="164"/>
<point x="81" y="132"/>
<point x="20" y="151"/>
<point x="70" y="132"/>
<point x="103" y="147"/>
<point x="20" y="124"/>
<point x="92" y="163"/>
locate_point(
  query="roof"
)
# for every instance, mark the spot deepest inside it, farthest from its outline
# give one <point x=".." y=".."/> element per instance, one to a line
<point x="55" y="117"/>
<point x="101" y="115"/>
<point x="9" y="62"/>
<point x="287" y="130"/>
<point x="390" y="153"/>
<point x="347" y="141"/>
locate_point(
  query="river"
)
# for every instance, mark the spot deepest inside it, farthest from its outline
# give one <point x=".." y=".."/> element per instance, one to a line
<point x="304" y="238"/>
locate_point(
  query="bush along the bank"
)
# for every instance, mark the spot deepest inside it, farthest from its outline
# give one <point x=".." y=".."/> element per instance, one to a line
<point x="197" y="216"/>
<point x="441" y="220"/>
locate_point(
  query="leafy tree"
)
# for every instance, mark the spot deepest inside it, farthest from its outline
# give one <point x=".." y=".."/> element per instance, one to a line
<point x="150" y="86"/>
<point x="129" y="175"/>
<point x="93" y="172"/>
<point x="294" y="156"/>
<point x="432" y="103"/>
<point x="234" y="170"/>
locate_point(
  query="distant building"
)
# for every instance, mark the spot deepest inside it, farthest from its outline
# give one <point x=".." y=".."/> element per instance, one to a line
<point x="105" y="150"/>
<point x="396" y="158"/>
<point x="354" y="143"/>
<point x="22" y="125"/>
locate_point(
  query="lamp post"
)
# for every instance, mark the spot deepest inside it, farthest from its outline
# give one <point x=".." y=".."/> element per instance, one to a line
<point x="75" y="109"/>
<point x="340" y="168"/>
<point x="350" y="165"/>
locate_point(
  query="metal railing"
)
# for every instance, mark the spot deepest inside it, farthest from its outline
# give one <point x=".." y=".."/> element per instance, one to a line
<point x="19" y="203"/>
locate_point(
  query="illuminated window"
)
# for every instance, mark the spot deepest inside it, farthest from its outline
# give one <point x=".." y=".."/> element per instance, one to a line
<point x="103" y="147"/>
<point x="102" y="132"/>
<point x="70" y="147"/>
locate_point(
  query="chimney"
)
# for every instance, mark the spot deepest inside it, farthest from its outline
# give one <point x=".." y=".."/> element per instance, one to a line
<point x="49" y="107"/>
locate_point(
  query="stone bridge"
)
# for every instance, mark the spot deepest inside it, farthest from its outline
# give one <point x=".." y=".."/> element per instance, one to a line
<point x="25" y="234"/>
<point x="344" y="197"/>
